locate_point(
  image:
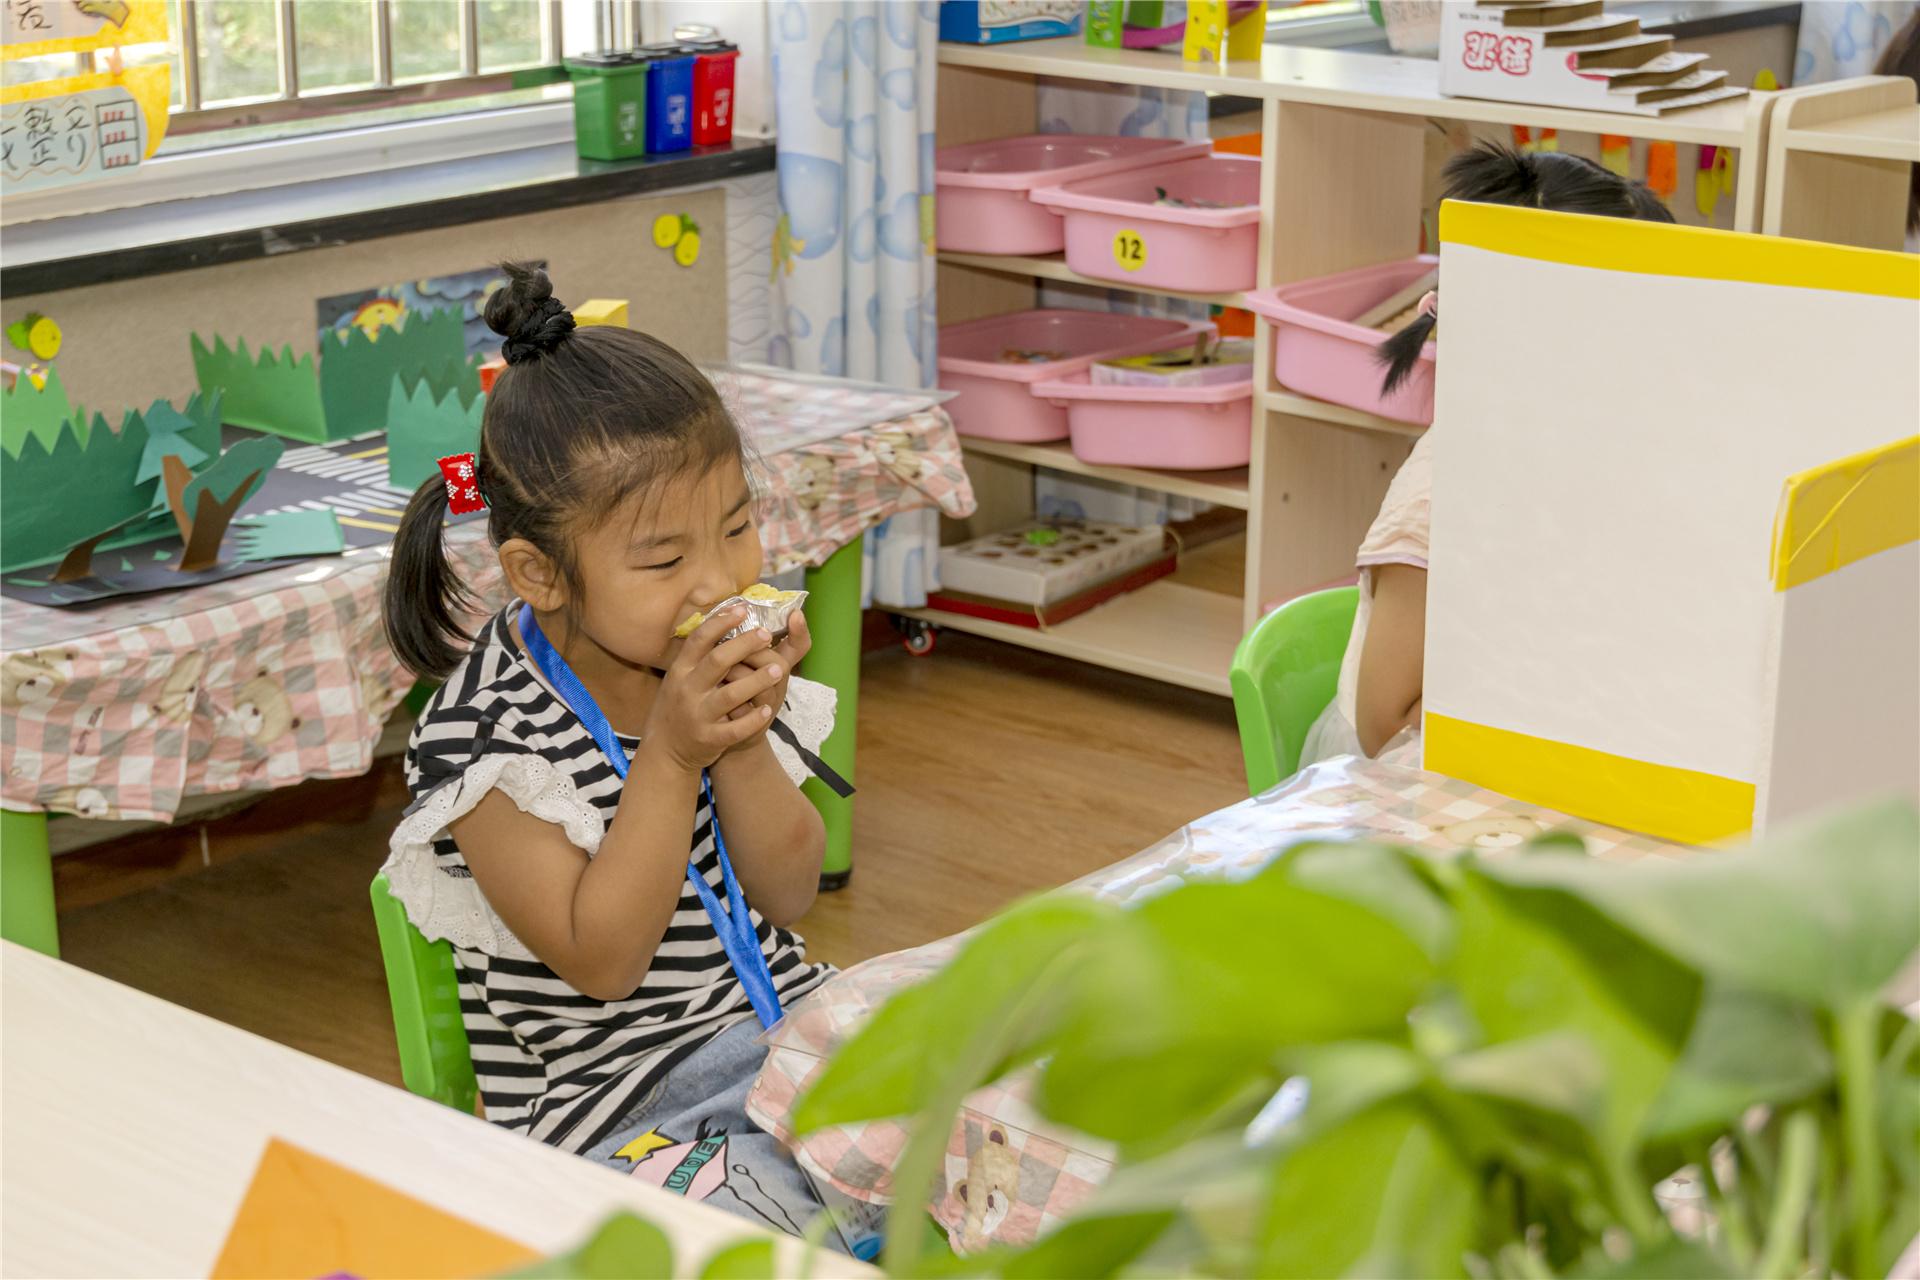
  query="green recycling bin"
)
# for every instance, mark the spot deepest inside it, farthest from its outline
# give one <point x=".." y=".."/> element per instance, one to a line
<point x="609" y="104"/>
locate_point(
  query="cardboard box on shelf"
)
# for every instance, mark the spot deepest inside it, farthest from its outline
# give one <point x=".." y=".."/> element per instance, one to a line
<point x="1038" y="564"/>
<point x="1566" y="54"/>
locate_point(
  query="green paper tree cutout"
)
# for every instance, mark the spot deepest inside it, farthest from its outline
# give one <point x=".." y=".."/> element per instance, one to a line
<point x="27" y="410"/>
<point x="346" y="394"/>
<point x="430" y="419"/>
<point x="87" y="485"/>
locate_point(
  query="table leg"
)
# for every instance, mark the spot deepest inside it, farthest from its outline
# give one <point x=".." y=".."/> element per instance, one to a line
<point x="833" y="615"/>
<point x="26" y="882"/>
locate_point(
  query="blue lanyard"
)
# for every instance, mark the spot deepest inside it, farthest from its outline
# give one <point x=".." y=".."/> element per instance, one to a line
<point x="731" y="922"/>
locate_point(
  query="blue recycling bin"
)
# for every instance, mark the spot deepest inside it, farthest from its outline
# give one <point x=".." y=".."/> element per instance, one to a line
<point x="669" y="97"/>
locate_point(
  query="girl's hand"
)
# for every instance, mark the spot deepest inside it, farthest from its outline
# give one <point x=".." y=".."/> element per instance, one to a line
<point x="787" y="654"/>
<point x="699" y="714"/>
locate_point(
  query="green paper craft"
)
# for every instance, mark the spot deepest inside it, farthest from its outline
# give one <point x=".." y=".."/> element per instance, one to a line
<point x="193" y="436"/>
<point x="348" y="393"/>
<point x="84" y="486"/>
<point x="278" y="535"/>
<point x="429" y="420"/>
<point x="269" y="392"/>
<point x="255" y="456"/>
<point x="357" y="370"/>
<point x="27" y="410"/>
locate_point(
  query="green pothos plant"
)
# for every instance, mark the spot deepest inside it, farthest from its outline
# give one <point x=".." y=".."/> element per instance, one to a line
<point x="1502" y="1057"/>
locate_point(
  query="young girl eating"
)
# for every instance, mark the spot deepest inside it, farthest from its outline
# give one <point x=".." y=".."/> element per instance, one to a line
<point x="1379" y="694"/>
<point x="606" y="823"/>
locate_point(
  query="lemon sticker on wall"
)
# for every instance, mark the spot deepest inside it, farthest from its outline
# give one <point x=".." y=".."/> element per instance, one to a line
<point x="36" y="333"/>
<point x="678" y="232"/>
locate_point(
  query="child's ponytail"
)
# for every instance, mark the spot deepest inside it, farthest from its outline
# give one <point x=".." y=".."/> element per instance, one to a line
<point x="423" y="591"/>
<point x="1401" y="352"/>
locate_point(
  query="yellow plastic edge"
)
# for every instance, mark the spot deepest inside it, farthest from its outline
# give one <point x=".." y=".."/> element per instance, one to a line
<point x="145" y="23"/>
<point x="1661" y="249"/>
<point x="1659" y="800"/>
<point x="1847" y="510"/>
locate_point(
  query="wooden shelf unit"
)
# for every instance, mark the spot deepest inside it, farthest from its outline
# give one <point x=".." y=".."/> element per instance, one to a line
<point x="1224" y="488"/>
<point x="1838" y="162"/>
<point x="1343" y="138"/>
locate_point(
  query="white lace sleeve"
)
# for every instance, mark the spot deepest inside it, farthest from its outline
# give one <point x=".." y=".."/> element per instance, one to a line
<point x="452" y="907"/>
<point x="809" y="713"/>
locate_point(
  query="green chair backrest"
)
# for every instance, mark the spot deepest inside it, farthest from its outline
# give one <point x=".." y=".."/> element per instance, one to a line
<point x="435" y="1058"/>
<point x="1284" y="674"/>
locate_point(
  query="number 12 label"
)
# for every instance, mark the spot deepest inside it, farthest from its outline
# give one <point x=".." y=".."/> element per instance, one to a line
<point x="1129" y="250"/>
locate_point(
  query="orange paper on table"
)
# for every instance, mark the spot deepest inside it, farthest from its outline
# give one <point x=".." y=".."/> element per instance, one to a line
<point x="305" y="1216"/>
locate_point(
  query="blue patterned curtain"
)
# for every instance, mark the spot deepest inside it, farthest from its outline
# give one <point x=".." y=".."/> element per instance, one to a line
<point x="853" y="85"/>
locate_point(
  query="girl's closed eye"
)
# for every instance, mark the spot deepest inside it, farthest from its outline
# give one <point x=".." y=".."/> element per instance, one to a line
<point x="744" y="525"/>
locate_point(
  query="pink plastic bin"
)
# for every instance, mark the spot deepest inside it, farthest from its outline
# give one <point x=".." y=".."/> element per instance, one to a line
<point x="982" y="204"/>
<point x="995" y="400"/>
<point x="1205" y="428"/>
<point x="1115" y="231"/>
<point x="1318" y="351"/>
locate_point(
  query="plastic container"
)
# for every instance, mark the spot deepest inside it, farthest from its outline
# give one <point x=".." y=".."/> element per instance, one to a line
<point x="1204" y="428"/>
<point x="997" y="21"/>
<point x="669" y="97"/>
<point x="713" y="70"/>
<point x="994" y="399"/>
<point x="609" y="105"/>
<point x="1116" y="231"/>
<point x="1318" y="351"/>
<point x="982" y="187"/>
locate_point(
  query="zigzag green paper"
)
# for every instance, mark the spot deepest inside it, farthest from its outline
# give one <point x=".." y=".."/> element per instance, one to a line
<point x="357" y="371"/>
<point x="53" y="499"/>
<point x="347" y="396"/>
<point x="269" y="392"/>
<point x="424" y="425"/>
<point x="27" y="410"/>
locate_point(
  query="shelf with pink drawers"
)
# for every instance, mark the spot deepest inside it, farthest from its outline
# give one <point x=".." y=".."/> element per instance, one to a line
<point x="1344" y="138"/>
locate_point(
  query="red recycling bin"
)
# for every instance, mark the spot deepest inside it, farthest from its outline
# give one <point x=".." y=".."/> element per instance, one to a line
<point x="713" y="91"/>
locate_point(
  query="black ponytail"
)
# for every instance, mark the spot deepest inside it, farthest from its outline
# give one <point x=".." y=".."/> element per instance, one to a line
<point x="424" y="595"/>
<point x="1401" y="352"/>
<point x="1491" y="173"/>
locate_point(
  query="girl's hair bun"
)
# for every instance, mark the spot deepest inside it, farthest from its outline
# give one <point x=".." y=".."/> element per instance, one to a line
<point x="526" y="313"/>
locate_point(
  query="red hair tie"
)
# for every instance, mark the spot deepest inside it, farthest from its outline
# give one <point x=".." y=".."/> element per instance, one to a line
<point x="462" y="471"/>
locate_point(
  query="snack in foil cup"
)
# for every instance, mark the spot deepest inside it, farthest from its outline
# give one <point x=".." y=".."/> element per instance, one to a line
<point x="767" y="607"/>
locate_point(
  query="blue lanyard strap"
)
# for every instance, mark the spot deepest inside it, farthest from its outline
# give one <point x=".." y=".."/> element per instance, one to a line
<point x="731" y="923"/>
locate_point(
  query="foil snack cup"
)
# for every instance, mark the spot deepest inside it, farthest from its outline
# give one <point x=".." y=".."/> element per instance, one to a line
<point x="766" y="607"/>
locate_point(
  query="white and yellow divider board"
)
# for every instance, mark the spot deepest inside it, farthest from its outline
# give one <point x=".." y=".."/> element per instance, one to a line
<point x="1674" y="582"/>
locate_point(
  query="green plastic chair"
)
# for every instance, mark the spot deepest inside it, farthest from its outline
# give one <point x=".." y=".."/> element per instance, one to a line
<point x="435" y="1059"/>
<point x="1284" y="674"/>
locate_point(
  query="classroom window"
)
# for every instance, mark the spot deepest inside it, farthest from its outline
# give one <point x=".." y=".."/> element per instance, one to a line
<point x="245" y="70"/>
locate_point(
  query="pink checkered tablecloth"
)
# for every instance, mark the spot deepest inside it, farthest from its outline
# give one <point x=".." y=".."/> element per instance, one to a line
<point x="1010" y="1175"/>
<point x="123" y="710"/>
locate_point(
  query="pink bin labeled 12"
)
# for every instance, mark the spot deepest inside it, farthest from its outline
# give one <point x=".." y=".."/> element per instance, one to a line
<point x="1319" y="351"/>
<point x="981" y="203"/>
<point x="1192" y="225"/>
<point x="994" y="362"/>
<point x="1196" y="428"/>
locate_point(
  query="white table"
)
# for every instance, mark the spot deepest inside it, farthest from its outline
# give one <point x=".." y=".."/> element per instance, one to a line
<point x="130" y="1128"/>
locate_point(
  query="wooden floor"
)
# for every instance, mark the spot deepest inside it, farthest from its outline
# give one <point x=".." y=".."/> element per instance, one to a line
<point x="986" y="772"/>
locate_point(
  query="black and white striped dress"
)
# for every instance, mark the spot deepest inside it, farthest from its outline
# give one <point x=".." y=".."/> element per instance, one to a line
<point x="558" y="1065"/>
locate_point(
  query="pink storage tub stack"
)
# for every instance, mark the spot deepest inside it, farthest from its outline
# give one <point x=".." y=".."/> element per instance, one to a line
<point x="1196" y="428"/>
<point x="982" y="187"/>
<point x="1318" y="351"/>
<point x="1195" y="249"/>
<point x="996" y="399"/>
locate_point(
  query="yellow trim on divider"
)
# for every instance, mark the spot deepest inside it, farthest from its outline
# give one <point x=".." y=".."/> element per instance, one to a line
<point x="1847" y="510"/>
<point x="1661" y="249"/>
<point x="1673" y="804"/>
